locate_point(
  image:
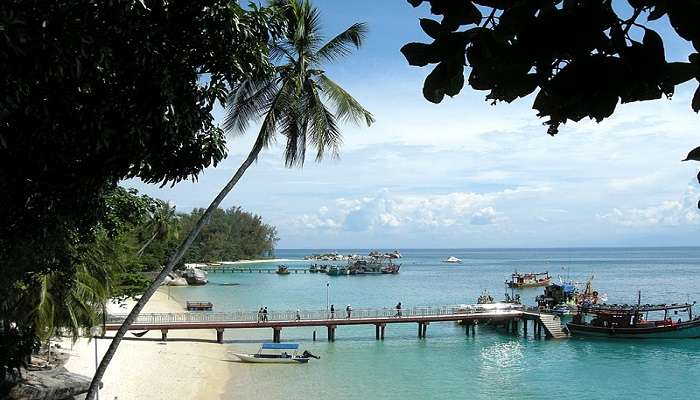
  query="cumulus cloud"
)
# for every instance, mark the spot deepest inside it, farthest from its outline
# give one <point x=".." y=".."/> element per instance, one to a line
<point x="667" y="213"/>
<point x="388" y="211"/>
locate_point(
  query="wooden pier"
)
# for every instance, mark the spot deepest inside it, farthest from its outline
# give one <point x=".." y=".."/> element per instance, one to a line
<point x="513" y="320"/>
<point x="259" y="270"/>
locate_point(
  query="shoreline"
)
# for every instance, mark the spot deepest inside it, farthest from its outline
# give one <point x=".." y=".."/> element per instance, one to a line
<point x="190" y="365"/>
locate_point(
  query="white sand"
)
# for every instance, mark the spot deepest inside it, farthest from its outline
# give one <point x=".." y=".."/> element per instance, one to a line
<point x="146" y="368"/>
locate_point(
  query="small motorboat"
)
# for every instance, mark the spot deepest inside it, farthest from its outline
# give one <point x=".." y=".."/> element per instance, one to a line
<point x="282" y="270"/>
<point x="277" y="353"/>
<point x="452" y="260"/>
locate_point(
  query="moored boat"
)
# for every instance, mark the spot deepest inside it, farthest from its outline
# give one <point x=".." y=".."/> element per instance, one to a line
<point x="518" y="280"/>
<point x="636" y="322"/>
<point x="391" y="269"/>
<point x="277" y="353"/>
<point x="282" y="270"/>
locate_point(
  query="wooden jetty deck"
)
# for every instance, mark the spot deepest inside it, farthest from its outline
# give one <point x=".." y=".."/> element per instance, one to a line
<point x="513" y="320"/>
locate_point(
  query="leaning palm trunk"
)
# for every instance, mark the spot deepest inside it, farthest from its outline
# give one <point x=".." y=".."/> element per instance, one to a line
<point x="179" y="253"/>
<point x="145" y="246"/>
<point x="292" y="102"/>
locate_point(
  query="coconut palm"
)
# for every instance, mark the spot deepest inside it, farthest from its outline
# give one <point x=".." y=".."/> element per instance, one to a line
<point x="161" y="223"/>
<point x="293" y="103"/>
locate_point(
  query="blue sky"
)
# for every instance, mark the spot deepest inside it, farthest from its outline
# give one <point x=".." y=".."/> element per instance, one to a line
<point x="464" y="173"/>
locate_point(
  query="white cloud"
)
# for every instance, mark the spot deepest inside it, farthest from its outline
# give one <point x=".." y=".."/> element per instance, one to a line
<point x="667" y="213"/>
<point x="388" y="211"/>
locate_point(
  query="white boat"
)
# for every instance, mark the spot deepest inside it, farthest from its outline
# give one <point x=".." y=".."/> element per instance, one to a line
<point x="277" y="353"/>
<point x="452" y="260"/>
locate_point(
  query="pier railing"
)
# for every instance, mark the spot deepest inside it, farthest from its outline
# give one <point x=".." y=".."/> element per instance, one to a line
<point x="313" y="315"/>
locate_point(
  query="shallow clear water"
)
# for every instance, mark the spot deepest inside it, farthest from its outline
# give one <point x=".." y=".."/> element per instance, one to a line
<point x="449" y="364"/>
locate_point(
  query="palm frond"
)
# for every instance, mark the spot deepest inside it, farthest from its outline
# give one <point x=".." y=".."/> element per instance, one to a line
<point x="325" y="134"/>
<point x="347" y="108"/>
<point x="247" y="103"/>
<point x="343" y="44"/>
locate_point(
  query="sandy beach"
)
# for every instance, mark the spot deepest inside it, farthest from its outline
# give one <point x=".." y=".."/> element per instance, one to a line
<point x="146" y="368"/>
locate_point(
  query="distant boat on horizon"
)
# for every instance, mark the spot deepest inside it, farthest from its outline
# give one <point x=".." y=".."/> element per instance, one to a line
<point x="452" y="260"/>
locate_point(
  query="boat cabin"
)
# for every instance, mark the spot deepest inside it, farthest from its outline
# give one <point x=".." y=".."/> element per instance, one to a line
<point x="626" y="316"/>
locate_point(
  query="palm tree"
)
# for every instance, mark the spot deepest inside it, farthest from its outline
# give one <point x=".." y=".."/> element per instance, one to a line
<point x="161" y="224"/>
<point x="292" y="103"/>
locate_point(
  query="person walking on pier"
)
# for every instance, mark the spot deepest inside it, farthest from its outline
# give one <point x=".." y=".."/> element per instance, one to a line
<point x="264" y="314"/>
<point x="398" y="310"/>
<point x="332" y="311"/>
<point x="348" y="309"/>
<point x="260" y="314"/>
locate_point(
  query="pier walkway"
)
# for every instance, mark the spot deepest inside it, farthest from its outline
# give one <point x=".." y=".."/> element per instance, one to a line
<point x="512" y="319"/>
<point x="260" y="270"/>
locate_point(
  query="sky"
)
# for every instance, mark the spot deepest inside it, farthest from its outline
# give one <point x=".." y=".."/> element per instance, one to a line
<point x="465" y="173"/>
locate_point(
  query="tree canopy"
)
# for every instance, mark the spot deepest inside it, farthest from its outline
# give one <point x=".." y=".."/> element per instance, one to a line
<point x="582" y="57"/>
<point x="96" y="92"/>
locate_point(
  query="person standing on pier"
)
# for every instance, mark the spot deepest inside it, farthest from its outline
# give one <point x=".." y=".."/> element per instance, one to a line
<point x="398" y="310"/>
<point x="332" y="311"/>
<point x="260" y="314"/>
<point x="348" y="309"/>
<point x="298" y="316"/>
<point x="264" y="314"/>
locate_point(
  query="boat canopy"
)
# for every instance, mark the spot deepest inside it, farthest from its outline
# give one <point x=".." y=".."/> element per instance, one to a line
<point x="280" y="346"/>
<point x="631" y="309"/>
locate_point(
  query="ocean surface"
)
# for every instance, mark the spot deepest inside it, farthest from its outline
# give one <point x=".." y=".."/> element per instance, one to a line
<point x="448" y="364"/>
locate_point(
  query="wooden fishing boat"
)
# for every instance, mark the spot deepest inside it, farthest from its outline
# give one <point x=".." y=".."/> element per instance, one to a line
<point x="660" y="321"/>
<point x="519" y="281"/>
<point x="391" y="269"/>
<point x="277" y="353"/>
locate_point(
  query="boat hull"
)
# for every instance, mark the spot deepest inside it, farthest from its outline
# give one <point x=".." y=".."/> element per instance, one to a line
<point x="250" y="358"/>
<point x="686" y="330"/>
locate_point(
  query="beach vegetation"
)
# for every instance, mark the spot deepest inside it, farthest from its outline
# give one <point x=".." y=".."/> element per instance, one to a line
<point x="94" y="93"/>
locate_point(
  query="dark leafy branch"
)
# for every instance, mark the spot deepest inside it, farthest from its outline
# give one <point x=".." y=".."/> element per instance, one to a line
<point x="577" y="56"/>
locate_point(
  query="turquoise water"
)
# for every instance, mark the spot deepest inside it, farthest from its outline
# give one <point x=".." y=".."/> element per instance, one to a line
<point x="449" y="364"/>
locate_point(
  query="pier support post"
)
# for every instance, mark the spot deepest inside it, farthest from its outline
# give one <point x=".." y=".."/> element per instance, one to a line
<point x="525" y="328"/>
<point x="425" y="328"/>
<point x="220" y="335"/>
<point x="376" y="332"/>
<point x="276" y="334"/>
<point x="164" y="335"/>
<point x="331" y="333"/>
<point x="420" y="330"/>
<point x="381" y="331"/>
<point x="514" y="326"/>
<point x="314" y="335"/>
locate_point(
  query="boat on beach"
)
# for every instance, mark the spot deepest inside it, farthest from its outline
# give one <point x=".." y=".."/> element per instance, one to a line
<point x="636" y="321"/>
<point x="277" y="353"/>
<point x="534" y="279"/>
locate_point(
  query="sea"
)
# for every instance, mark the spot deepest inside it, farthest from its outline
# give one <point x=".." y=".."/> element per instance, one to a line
<point x="448" y="364"/>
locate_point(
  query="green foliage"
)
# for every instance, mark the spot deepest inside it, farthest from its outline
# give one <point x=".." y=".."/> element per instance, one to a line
<point x="583" y="56"/>
<point x="300" y="101"/>
<point x="93" y="93"/>
<point x="230" y="235"/>
<point x="96" y="92"/>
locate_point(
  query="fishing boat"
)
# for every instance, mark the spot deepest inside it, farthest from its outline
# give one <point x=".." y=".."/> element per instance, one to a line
<point x="277" y="353"/>
<point x="659" y="321"/>
<point x="452" y="260"/>
<point x="391" y="269"/>
<point x="518" y="280"/>
<point x="282" y="270"/>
